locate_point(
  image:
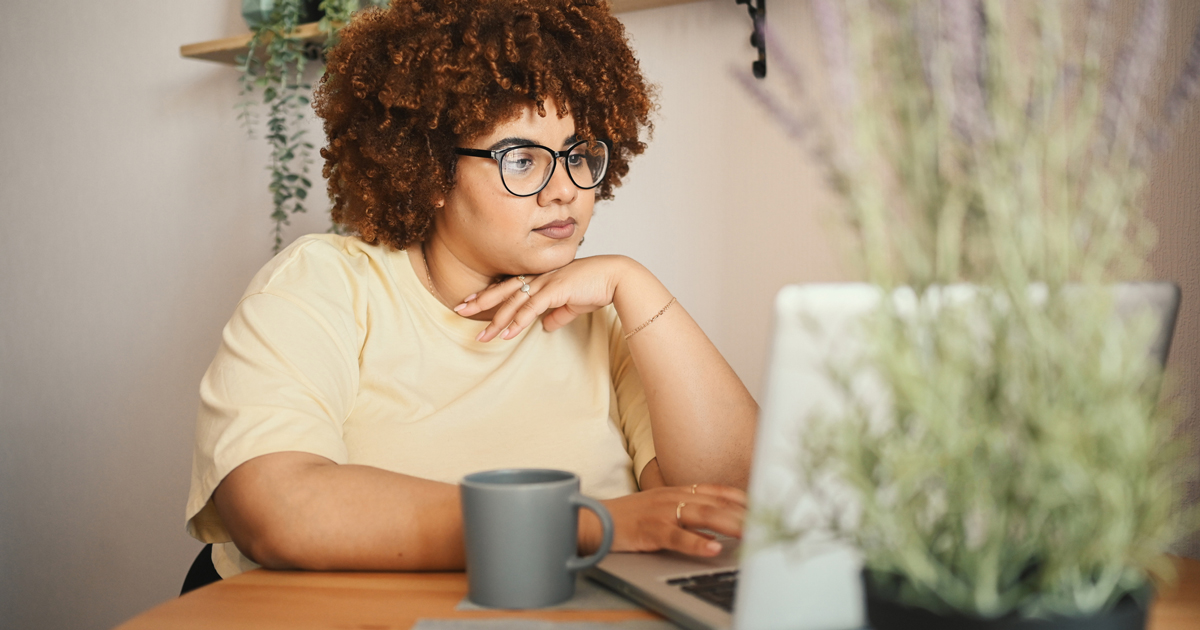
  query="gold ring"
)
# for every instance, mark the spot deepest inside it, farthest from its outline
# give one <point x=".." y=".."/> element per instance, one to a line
<point x="679" y="513"/>
<point x="524" y="285"/>
<point x="694" y="488"/>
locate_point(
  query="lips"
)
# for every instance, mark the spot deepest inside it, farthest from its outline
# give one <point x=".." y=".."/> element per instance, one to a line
<point x="557" y="229"/>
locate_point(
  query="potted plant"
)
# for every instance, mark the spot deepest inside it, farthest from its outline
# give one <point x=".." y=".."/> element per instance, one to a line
<point x="257" y="12"/>
<point x="1024" y="473"/>
<point x="275" y="64"/>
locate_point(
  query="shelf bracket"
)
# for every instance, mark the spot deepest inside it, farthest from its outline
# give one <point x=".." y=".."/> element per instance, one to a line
<point x="758" y="13"/>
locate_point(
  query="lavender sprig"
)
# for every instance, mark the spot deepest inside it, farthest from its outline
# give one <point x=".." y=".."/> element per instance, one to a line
<point x="831" y="25"/>
<point x="1123" y="102"/>
<point x="786" y="60"/>
<point x="963" y="31"/>
<point x="1186" y="87"/>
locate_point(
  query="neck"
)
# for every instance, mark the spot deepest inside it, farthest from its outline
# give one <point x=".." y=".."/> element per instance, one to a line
<point x="452" y="279"/>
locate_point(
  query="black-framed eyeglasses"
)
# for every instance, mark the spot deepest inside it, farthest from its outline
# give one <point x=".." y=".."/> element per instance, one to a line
<point x="526" y="169"/>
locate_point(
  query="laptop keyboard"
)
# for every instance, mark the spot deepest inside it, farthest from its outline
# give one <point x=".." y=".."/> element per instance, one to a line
<point x="714" y="588"/>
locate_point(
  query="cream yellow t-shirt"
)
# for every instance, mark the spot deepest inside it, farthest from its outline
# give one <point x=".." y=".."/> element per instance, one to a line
<point x="338" y="349"/>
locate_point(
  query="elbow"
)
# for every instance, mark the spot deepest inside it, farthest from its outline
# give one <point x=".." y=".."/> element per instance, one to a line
<point x="260" y="534"/>
<point x="282" y="545"/>
<point x="268" y="512"/>
<point x="272" y="549"/>
<point x="284" y="539"/>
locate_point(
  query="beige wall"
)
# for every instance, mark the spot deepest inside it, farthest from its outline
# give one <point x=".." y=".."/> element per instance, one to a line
<point x="135" y="213"/>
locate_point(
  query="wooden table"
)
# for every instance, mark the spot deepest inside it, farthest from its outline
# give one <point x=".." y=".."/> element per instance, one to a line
<point x="266" y="600"/>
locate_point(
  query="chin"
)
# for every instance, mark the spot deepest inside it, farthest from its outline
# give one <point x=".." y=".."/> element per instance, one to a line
<point x="555" y="258"/>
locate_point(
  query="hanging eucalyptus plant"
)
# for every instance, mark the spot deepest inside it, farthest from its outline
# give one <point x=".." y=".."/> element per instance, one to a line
<point x="274" y="65"/>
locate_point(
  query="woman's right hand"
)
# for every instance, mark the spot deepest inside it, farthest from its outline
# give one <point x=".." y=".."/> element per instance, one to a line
<point x="645" y="521"/>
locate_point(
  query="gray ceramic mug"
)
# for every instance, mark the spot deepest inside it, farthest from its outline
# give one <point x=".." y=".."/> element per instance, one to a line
<point x="521" y="529"/>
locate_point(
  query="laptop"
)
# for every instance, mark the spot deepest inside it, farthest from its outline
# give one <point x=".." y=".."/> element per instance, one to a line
<point x="755" y="584"/>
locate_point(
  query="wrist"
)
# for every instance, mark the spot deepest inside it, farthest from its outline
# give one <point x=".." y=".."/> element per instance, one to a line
<point x="624" y="270"/>
<point x="590" y="533"/>
<point x="638" y="295"/>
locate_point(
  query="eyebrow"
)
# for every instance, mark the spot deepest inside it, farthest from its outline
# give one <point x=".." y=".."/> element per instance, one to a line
<point x="513" y="141"/>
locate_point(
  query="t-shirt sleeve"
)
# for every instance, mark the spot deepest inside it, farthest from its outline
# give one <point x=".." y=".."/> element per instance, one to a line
<point x="284" y="378"/>
<point x="633" y="415"/>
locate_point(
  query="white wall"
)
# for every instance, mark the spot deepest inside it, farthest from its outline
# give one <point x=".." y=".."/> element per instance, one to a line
<point x="721" y="206"/>
<point x="136" y="212"/>
<point x="134" y="216"/>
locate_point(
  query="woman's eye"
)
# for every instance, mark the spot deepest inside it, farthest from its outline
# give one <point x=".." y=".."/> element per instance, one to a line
<point x="518" y="163"/>
<point x="576" y="160"/>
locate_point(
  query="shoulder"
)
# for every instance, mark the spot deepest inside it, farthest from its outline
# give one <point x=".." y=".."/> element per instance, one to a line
<point x="319" y="262"/>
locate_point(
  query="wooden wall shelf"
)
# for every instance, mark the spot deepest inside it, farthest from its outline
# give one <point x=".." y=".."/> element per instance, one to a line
<point x="227" y="50"/>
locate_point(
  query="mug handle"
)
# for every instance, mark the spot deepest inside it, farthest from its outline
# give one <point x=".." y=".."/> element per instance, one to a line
<point x="575" y="563"/>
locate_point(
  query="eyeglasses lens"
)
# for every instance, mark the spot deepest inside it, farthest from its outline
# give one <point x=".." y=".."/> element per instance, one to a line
<point x="587" y="163"/>
<point x="526" y="169"/>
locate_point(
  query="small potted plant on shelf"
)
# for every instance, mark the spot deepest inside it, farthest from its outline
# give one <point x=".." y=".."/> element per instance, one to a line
<point x="275" y="65"/>
<point x="1024" y="474"/>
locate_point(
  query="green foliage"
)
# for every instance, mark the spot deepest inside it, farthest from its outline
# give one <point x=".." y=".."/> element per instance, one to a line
<point x="335" y="14"/>
<point x="275" y="65"/>
<point x="1026" y="464"/>
<point x="279" y="74"/>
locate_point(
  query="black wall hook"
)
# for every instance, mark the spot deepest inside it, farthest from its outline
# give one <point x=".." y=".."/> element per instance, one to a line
<point x="758" y="13"/>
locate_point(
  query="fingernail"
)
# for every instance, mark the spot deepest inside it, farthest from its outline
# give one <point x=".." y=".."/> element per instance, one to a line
<point x="460" y="307"/>
<point x="479" y="337"/>
<point x="504" y="335"/>
<point x="470" y="297"/>
<point x="713" y="546"/>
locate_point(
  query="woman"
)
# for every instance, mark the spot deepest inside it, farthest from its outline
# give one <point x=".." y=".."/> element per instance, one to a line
<point x="361" y="377"/>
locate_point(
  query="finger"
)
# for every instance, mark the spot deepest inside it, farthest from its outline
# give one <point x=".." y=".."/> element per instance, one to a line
<point x="495" y="294"/>
<point x="505" y="323"/>
<point x="724" y="519"/>
<point x="490" y="297"/>
<point x="473" y="305"/>
<point x="467" y="303"/>
<point x="559" y="317"/>
<point x="539" y="302"/>
<point x="503" y="317"/>
<point x="729" y="493"/>
<point x="691" y="543"/>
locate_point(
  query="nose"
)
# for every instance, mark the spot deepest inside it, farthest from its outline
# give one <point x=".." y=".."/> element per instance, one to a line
<point x="560" y="188"/>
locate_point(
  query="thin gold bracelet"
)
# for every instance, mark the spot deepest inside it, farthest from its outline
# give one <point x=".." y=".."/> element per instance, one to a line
<point x="651" y="320"/>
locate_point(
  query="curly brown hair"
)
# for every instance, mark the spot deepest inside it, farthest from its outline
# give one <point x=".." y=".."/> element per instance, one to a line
<point x="406" y="85"/>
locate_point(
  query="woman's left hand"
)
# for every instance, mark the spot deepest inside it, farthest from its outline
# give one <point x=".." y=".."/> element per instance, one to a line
<point x="582" y="286"/>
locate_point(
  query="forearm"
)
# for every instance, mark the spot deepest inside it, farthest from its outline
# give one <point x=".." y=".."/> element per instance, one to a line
<point x="703" y="416"/>
<point x="296" y="510"/>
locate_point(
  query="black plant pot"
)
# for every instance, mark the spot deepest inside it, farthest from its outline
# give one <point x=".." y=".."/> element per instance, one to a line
<point x="885" y="614"/>
<point x="256" y="12"/>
